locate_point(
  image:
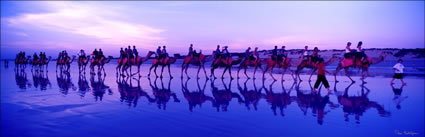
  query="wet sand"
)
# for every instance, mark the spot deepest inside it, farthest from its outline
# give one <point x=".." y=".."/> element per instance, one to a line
<point x="107" y="106"/>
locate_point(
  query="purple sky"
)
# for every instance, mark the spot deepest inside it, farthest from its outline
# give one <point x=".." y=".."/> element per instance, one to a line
<point x="52" y="26"/>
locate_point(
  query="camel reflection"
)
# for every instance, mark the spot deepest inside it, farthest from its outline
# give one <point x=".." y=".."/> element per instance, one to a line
<point x="83" y="85"/>
<point x="41" y="79"/>
<point x="196" y="97"/>
<point x="223" y="97"/>
<point x="252" y="96"/>
<point x="357" y="105"/>
<point x="162" y="95"/>
<point x="65" y="83"/>
<point x="21" y="80"/>
<point x="278" y="100"/>
<point x="130" y="94"/>
<point x="99" y="87"/>
<point x="308" y="99"/>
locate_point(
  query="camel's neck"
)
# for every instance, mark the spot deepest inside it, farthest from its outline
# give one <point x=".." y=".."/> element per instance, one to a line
<point x="379" y="60"/>
<point x="239" y="60"/>
<point x="172" y="60"/>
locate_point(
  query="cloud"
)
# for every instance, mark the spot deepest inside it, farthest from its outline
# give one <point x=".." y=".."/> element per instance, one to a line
<point x="100" y="22"/>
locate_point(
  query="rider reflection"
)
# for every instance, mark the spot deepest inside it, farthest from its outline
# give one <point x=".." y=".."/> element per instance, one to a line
<point x="99" y="87"/>
<point x="162" y="95"/>
<point x="357" y="105"/>
<point x="83" y="85"/>
<point x="64" y="82"/>
<point x="21" y="80"/>
<point x="196" y="97"/>
<point x="129" y="93"/>
<point x="41" y="78"/>
<point x="223" y="97"/>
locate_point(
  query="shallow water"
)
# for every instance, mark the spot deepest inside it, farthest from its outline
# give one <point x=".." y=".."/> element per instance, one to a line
<point x="61" y="105"/>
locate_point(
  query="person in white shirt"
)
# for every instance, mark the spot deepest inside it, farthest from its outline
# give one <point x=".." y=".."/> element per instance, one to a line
<point x="398" y="72"/>
<point x="305" y="53"/>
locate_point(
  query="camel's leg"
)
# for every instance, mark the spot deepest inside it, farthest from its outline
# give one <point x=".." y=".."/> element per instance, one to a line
<point x="162" y="70"/>
<point x="271" y="72"/>
<point x="230" y="72"/>
<point x="336" y="72"/>
<point x="181" y="74"/>
<point x="199" y="69"/>
<point x="264" y="72"/>
<point x="245" y="72"/>
<point x="169" y="71"/>
<point x="212" y="72"/>
<point x="222" y="75"/>
<point x="255" y="70"/>
<point x="239" y="69"/>
<point x="283" y="73"/>
<point x="312" y="72"/>
<point x="346" y="73"/>
<point x="205" y="72"/>
<point x="185" y="70"/>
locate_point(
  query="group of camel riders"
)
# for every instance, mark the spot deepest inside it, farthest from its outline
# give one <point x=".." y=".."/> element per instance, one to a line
<point x="97" y="55"/>
<point x="20" y="56"/>
<point x="63" y="56"/>
<point x="358" y="53"/>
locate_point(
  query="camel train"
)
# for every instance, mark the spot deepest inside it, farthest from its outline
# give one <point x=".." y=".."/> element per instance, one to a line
<point x="279" y="59"/>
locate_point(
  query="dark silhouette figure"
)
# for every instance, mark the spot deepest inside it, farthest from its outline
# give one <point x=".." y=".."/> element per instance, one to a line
<point x="83" y="85"/>
<point x="21" y="80"/>
<point x="310" y="99"/>
<point x="65" y="83"/>
<point x="252" y="96"/>
<point x="130" y="94"/>
<point x="222" y="98"/>
<point x="398" y="98"/>
<point x="196" y="97"/>
<point x="6" y="63"/>
<point x="278" y="100"/>
<point x="357" y="105"/>
<point x="41" y="79"/>
<point x="99" y="88"/>
<point x="162" y="95"/>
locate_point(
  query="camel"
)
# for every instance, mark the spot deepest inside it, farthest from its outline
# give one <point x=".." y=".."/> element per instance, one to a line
<point x="156" y="63"/>
<point x="82" y="63"/>
<point x="64" y="63"/>
<point x="99" y="63"/>
<point x="200" y="61"/>
<point x="45" y="62"/>
<point x="20" y="63"/>
<point x="247" y="63"/>
<point x="312" y="65"/>
<point x="349" y="63"/>
<point x="124" y="64"/>
<point x="285" y="65"/>
<point x="227" y="63"/>
<point x="83" y="85"/>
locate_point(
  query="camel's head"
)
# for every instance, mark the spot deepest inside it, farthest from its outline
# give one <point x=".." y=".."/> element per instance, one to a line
<point x="150" y="53"/>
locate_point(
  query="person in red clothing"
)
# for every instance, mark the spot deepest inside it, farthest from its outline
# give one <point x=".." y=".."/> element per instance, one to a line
<point x="321" y="76"/>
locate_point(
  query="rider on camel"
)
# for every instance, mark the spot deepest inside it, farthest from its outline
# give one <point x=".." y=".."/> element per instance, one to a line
<point x="315" y="57"/>
<point x="164" y="54"/>
<point x="95" y="54"/>
<point x="306" y="56"/>
<point x="360" y="53"/>
<point x="122" y="53"/>
<point x="136" y="53"/>
<point x="35" y="57"/>
<point x="275" y="55"/>
<point x="82" y="54"/>
<point x="282" y="53"/>
<point x="101" y="56"/>
<point x="248" y="55"/>
<point x="217" y="52"/>
<point x="255" y="53"/>
<point x="225" y="53"/>
<point x="190" y="50"/>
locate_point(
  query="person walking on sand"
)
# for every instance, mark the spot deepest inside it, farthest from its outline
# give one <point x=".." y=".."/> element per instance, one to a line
<point x="398" y="72"/>
<point x="321" y="78"/>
